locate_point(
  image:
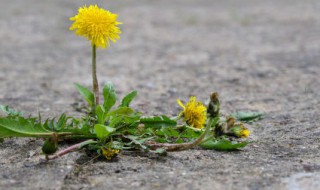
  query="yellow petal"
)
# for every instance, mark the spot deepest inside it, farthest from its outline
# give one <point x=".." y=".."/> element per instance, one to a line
<point x="245" y="133"/>
<point x="192" y="99"/>
<point x="180" y="103"/>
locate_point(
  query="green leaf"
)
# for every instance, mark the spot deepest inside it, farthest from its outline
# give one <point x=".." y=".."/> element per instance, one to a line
<point x="122" y="115"/>
<point x="117" y="145"/>
<point x="86" y="93"/>
<point x="103" y="131"/>
<point x="77" y="127"/>
<point x="162" y="140"/>
<point x="120" y="111"/>
<point x="109" y="95"/>
<point x="61" y="124"/>
<point x="248" y="116"/>
<point x="158" y="121"/>
<point x="223" y="145"/>
<point x="190" y="134"/>
<point x="128" y="98"/>
<point x="137" y="141"/>
<point x="178" y="141"/>
<point x="101" y="114"/>
<point x="128" y="121"/>
<point x="10" y="111"/>
<point x="21" y="127"/>
<point x="115" y="121"/>
<point x="169" y="132"/>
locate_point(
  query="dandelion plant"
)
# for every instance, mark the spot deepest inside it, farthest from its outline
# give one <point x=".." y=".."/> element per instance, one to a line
<point x="110" y="127"/>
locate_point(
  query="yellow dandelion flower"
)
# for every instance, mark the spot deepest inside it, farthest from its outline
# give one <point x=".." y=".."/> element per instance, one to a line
<point x="97" y="25"/>
<point x="194" y="113"/>
<point x="109" y="153"/>
<point x="245" y="133"/>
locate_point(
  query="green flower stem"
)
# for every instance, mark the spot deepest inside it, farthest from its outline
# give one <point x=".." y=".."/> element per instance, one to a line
<point x="71" y="149"/>
<point x="94" y="78"/>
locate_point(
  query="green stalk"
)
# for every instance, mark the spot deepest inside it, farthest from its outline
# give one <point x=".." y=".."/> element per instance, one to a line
<point x="94" y="78"/>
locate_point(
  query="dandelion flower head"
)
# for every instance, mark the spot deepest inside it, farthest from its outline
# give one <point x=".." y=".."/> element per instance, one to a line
<point x="97" y="25"/>
<point x="194" y="113"/>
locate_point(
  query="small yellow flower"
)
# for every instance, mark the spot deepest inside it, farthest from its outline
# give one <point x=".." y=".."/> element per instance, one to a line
<point x="97" y="25"/>
<point x="109" y="153"/>
<point x="245" y="133"/>
<point x="239" y="130"/>
<point x="194" y="113"/>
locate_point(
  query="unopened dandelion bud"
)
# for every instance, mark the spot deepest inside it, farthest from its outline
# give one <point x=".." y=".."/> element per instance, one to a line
<point x="214" y="105"/>
<point x="50" y="146"/>
<point x="230" y="122"/>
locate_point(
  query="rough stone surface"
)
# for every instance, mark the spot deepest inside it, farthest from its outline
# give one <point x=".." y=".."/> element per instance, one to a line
<point x="259" y="55"/>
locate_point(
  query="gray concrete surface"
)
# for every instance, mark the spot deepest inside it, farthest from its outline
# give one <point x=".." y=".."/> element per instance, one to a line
<point x="259" y="55"/>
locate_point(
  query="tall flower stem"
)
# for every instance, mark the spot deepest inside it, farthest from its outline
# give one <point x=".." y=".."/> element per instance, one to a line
<point x="94" y="77"/>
